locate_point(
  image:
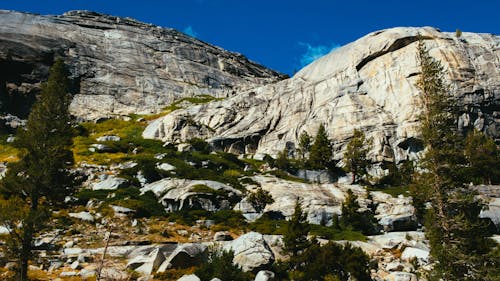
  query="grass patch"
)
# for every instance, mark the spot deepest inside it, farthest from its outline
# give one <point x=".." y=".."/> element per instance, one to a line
<point x="394" y="191"/>
<point x="331" y="233"/>
<point x="130" y="147"/>
<point x="145" y="205"/>
<point x="286" y="176"/>
<point x="8" y="153"/>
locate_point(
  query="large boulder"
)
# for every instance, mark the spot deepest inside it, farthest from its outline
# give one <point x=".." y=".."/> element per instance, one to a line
<point x="179" y="194"/>
<point x="109" y="183"/>
<point x="147" y="264"/>
<point x="185" y="255"/>
<point x="251" y="251"/>
<point x="492" y="212"/>
<point x="151" y="66"/>
<point x="369" y="84"/>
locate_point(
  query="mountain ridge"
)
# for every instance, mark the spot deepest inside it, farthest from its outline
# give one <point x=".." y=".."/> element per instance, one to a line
<point x="122" y="66"/>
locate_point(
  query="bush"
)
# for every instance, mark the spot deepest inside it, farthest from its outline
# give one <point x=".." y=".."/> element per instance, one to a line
<point x="220" y="264"/>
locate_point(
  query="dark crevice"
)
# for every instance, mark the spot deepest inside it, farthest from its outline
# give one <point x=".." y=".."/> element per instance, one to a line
<point x="413" y="74"/>
<point x="398" y="44"/>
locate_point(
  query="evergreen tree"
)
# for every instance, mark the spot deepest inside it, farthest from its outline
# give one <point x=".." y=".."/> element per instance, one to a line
<point x="320" y="156"/>
<point x="41" y="178"/>
<point x="355" y="155"/>
<point x="295" y="237"/>
<point x="220" y="264"/>
<point x="361" y="221"/>
<point x="304" y="145"/>
<point x="483" y="158"/>
<point x="260" y="198"/>
<point x="458" y="238"/>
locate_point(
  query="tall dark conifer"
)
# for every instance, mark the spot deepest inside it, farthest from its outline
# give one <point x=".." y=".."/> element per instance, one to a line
<point x="458" y="238"/>
<point x="41" y="178"/>
<point x="321" y="152"/>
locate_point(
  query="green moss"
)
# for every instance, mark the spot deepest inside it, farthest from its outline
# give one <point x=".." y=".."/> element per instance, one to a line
<point x="331" y="233"/>
<point x="394" y="191"/>
<point x="286" y="176"/>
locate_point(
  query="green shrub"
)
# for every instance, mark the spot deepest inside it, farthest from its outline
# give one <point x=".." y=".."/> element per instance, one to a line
<point x="220" y="265"/>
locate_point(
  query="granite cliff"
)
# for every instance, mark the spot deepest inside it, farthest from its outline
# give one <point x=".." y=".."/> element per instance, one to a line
<point x="122" y="66"/>
<point x="368" y="84"/>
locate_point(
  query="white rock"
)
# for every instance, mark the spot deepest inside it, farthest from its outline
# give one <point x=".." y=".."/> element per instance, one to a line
<point x="264" y="275"/>
<point x="401" y="276"/>
<point x="190" y="277"/>
<point x="410" y="253"/>
<point x="121" y="210"/>
<point x="108" y="138"/>
<point x="68" y="274"/>
<point x="147" y="264"/>
<point x="72" y="252"/>
<point x="84" y="216"/>
<point x="110" y="183"/>
<point x="178" y="194"/>
<point x="250" y="251"/>
<point x="165" y="167"/>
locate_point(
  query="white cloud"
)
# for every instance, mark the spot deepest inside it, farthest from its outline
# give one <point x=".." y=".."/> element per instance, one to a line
<point x="313" y="53"/>
<point x="190" y="31"/>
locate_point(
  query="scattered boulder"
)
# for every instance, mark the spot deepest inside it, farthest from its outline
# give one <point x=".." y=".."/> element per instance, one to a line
<point x="190" y="277"/>
<point x="185" y="255"/>
<point x="179" y="194"/>
<point x="109" y="183"/>
<point x="411" y="253"/>
<point x="264" y="275"/>
<point x="401" y="276"/>
<point x="251" y="251"/>
<point x="121" y="211"/>
<point x="222" y="236"/>
<point x="108" y="138"/>
<point x="84" y="216"/>
<point x="99" y="147"/>
<point x="492" y="212"/>
<point x="147" y="264"/>
<point x="165" y="167"/>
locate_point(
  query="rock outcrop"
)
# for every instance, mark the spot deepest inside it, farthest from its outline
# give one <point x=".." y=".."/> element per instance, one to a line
<point x="368" y="85"/>
<point x="123" y="66"/>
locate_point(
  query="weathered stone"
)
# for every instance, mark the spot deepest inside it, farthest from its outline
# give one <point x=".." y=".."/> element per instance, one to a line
<point x="401" y="276"/>
<point x="251" y="251"/>
<point x="165" y="167"/>
<point x="264" y="275"/>
<point x="190" y="277"/>
<point x="147" y="264"/>
<point x="178" y="194"/>
<point x="108" y="138"/>
<point x="151" y="66"/>
<point x="110" y="183"/>
<point x="84" y="216"/>
<point x="410" y="253"/>
<point x="492" y="212"/>
<point x="368" y="85"/>
<point x="222" y="236"/>
<point x="185" y="255"/>
<point x="99" y="147"/>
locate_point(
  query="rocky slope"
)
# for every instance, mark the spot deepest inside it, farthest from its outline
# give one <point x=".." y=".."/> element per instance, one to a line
<point x="123" y="66"/>
<point x="368" y="84"/>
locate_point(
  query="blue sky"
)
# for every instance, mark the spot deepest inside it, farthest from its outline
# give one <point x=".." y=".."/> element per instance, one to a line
<point x="284" y="34"/>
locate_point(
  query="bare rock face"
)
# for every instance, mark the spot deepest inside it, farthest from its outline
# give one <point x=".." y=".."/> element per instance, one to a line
<point x="123" y="66"/>
<point x="368" y="85"/>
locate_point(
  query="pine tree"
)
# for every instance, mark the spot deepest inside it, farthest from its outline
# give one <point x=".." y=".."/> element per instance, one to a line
<point x="355" y="158"/>
<point x="483" y="158"/>
<point x="295" y="237"/>
<point x="321" y="153"/>
<point x="41" y="178"/>
<point x="304" y="145"/>
<point x="457" y="236"/>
